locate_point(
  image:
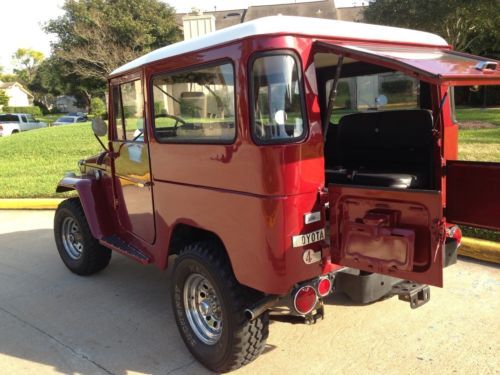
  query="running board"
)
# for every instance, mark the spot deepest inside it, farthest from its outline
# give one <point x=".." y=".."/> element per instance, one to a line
<point x="414" y="293"/>
<point x="115" y="243"/>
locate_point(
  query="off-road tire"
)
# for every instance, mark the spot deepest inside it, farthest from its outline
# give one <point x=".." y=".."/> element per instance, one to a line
<point x="242" y="340"/>
<point x="94" y="257"/>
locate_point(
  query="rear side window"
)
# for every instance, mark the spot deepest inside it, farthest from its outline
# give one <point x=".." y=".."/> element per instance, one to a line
<point x="277" y="104"/>
<point x="195" y="105"/>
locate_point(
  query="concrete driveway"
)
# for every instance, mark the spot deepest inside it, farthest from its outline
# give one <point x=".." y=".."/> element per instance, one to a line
<point x="120" y="321"/>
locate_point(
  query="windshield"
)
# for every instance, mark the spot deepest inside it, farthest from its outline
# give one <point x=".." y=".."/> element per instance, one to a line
<point x="66" y="119"/>
<point x="8" y="118"/>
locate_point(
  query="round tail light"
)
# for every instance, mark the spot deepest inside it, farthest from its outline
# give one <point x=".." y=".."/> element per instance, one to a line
<point x="324" y="286"/>
<point x="305" y="300"/>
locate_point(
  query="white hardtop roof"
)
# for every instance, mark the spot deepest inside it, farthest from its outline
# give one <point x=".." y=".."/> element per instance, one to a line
<point x="316" y="27"/>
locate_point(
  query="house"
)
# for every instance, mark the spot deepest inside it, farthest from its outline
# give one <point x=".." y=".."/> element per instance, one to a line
<point x="67" y="103"/>
<point x="190" y="22"/>
<point x="18" y="95"/>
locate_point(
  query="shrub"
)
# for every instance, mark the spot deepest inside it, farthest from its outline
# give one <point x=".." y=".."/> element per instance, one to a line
<point x="34" y="110"/>
<point x="97" y="107"/>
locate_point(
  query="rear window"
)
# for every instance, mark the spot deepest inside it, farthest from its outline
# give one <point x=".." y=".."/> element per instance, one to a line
<point x="276" y="94"/>
<point x="9" y="118"/>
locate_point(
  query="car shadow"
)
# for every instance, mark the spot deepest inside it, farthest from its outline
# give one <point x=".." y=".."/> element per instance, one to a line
<point x="114" y="322"/>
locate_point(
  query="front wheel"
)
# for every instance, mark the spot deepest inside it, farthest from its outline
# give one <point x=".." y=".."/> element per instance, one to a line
<point x="209" y="307"/>
<point x="78" y="249"/>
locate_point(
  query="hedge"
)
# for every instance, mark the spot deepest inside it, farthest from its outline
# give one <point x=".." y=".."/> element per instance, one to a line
<point x="34" y="110"/>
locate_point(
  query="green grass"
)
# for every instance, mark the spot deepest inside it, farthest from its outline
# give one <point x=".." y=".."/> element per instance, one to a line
<point x="32" y="162"/>
<point x="491" y="115"/>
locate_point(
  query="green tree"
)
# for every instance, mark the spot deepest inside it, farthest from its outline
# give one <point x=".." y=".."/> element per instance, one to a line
<point x="4" y="99"/>
<point x="94" y="37"/>
<point x="470" y="26"/>
<point x="27" y="61"/>
<point x="97" y="107"/>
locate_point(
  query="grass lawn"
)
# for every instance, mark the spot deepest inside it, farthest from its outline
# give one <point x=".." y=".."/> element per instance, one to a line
<point x="32" y="162"/>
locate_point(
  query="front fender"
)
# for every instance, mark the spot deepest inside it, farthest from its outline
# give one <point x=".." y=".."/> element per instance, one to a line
<point x="96" y="198"/>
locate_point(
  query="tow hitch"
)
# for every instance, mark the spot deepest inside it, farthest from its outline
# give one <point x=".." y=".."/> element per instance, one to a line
<point x="416" y="294"/>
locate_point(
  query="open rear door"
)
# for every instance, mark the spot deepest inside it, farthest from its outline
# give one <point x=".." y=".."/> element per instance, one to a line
<point x="438" y="65"/>
<point x="395" y="232"/>
<point x="473" y="193"/>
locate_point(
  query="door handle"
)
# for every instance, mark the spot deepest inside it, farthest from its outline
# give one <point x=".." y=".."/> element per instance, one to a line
<point x="145" y="184"/>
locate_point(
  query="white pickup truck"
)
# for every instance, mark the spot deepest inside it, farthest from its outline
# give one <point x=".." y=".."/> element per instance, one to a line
<point x="12" y="123"/>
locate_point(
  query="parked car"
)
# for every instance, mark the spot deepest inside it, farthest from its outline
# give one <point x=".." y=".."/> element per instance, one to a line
<point x="65" y="120"/>
<point x="78" y="114"/>
<point x="12" y="123"/>
<point x="263" y="193"/>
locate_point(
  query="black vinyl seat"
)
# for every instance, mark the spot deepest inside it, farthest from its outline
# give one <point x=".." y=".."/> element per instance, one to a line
<point x="387" y="149"/>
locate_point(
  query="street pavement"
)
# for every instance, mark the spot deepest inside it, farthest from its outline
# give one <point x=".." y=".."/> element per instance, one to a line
<point x="120" y="321"/>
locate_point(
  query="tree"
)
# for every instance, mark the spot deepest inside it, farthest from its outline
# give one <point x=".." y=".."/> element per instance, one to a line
<point x="470" y="26"/>
<point x="97" y="107"/>
<point x="27" y="61"/>
<point x="94" y="37"/>
<point x="4" y="99"/>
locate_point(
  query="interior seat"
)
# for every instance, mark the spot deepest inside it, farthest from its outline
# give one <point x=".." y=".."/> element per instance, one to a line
<point x="386" y="148"/>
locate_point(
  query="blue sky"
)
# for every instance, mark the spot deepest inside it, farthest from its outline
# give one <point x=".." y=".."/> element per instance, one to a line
<point x="26" y="31"/>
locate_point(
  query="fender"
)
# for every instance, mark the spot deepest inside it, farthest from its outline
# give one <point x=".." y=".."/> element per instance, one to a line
<point x="96" y="198"/>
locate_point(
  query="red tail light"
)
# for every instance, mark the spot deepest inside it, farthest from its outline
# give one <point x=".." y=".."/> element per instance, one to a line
<point x="454" y="232"/>
<point x="324" y="286"/>
<point x="305" y="300"/>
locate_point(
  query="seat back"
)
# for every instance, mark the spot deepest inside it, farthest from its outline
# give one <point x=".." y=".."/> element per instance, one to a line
<point x="398" y="141"/>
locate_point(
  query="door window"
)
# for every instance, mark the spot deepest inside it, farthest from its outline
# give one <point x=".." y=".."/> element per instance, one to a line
<point x="128" y="104"/>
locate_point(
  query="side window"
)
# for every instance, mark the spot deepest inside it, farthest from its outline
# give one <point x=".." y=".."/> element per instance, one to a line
<point x="129" y="111"/>
<point x="276" y="94"/>
<point x="23" y="118"/>
<point x="195" y="105"/>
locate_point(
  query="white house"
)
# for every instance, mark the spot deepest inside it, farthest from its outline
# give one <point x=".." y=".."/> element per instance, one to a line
<point x="18" y="95"/>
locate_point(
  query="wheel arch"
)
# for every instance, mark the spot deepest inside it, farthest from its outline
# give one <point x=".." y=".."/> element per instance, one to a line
<point x="96" y="199"/>
<point x="184" y="234"/>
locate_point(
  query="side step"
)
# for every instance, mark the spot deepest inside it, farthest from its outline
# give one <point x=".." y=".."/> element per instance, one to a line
<point x="416" y="294"/>
<point x="114" y="242"/>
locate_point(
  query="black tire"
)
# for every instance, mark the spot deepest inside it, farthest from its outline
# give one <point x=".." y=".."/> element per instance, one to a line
<point x="241" y="340"/>
<point x="92" y="257"/>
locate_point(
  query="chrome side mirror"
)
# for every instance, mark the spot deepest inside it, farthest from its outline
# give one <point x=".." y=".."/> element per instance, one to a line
<point x="99" y="127"/>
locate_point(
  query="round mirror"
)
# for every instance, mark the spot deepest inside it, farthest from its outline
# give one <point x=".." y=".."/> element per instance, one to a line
<point x="280" y="117"/>
<point x="99" y="127"/>
<point x="381" y="100"/>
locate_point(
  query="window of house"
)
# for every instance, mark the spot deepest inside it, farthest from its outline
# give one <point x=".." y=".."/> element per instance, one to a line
<point x="276" y="96"/>
<point x="196" y="105"/>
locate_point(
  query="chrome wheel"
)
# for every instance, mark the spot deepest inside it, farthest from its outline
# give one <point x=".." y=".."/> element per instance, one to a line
<point x="72" y="238"/>
<point x="202" y="308"/>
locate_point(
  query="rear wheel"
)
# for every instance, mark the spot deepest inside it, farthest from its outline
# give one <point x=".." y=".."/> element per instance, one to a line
<point x="78" y="249"/>
<point x="209" y="307"/>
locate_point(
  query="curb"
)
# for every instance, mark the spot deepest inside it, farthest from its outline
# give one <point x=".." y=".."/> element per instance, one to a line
<point x="30" y="204"/>
<point x="488" y="251"/>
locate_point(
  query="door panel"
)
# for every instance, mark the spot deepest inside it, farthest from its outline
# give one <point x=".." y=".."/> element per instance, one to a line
<point x="473" y="193"/>
<point x="395" y="232"/>
<point x="132" y="170"/>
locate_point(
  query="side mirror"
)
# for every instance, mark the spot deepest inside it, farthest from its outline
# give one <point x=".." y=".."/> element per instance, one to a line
<point x="99" y="127"/>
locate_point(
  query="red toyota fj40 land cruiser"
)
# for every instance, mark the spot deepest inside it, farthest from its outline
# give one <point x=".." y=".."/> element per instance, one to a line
<point x="278" y="160"/>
